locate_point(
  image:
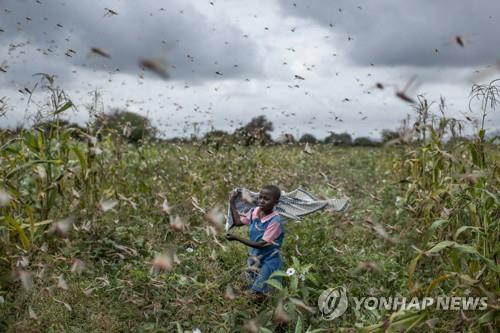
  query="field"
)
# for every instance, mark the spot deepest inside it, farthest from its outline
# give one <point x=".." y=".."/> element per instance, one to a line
<point x="83" y="221"/>
<point x="125" y="129"/>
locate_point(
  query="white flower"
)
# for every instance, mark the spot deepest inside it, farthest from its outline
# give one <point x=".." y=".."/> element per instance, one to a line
<point x="196" y="330"/>
<point x="189" y="249"/>
<point x="290" y="271"/>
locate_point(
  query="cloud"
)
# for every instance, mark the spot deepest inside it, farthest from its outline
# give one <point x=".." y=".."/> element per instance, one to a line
<point x="419" y="33"/>
<point x="283" y="41"/>
<point x="193" y="45"/>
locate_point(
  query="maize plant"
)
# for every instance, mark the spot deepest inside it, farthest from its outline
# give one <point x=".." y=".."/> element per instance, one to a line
<point x="452" y="193"/>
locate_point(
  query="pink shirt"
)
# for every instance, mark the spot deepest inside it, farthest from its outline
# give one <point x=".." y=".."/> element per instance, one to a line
<point x="273" y="230"/>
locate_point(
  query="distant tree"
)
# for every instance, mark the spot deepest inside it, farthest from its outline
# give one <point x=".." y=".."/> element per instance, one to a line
<point x="343" y="139"/>
<point x="308" y="138"/>
<point x="131" y="126"/>
<point x="388" y="135"/>
<point x="255" y="132"/>
<point x="176" y="139"/>
<point x="365" y="142"/>
<point x="216" y="138"/>
<point x="455" y="141"/>
<point x="61" y="124"/>
<point x="285" y="138"/>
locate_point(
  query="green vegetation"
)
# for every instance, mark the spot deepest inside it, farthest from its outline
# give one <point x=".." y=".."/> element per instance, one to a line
<point x="104" y="235"/>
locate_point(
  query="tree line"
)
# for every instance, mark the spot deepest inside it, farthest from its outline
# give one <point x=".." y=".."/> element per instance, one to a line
<point x="136" y="129"/>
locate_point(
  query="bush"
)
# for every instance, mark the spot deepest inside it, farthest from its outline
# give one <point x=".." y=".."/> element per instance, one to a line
<point x="308" y="138"/>
<point x="388" y="135"/>
<point x="255" y="132"/>
<point x="343" y="139"/>
<point x="365" y="142"/>
<point x="129" y="125"/>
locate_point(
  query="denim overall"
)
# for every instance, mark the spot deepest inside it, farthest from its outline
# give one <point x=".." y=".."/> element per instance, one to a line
<point x="263" y="262"/>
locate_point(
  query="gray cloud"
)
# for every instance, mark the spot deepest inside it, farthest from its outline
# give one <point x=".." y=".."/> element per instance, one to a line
<point x="410" y="32"/>
<point x="193" y="46"/>
<point x="284" y="41"/>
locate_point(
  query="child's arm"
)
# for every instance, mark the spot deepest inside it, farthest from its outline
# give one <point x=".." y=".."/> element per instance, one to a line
<point x="234" y="212"/>
<point x="273" y="231"/>
<point x="256" y="245"/>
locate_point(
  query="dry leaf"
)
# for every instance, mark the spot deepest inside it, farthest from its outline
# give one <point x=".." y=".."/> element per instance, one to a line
<point x="65" y="304"/>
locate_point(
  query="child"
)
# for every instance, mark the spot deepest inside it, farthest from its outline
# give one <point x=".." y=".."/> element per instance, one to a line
<point x="266" y="235"/>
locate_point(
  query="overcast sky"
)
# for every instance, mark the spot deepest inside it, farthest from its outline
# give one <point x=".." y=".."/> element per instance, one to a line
<point x="309" y="66"/>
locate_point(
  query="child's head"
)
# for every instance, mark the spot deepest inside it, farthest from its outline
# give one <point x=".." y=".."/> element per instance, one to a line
<point x="269" y="197"/>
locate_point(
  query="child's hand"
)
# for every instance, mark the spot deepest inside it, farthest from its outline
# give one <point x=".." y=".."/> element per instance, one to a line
<point x="231" y="237"/>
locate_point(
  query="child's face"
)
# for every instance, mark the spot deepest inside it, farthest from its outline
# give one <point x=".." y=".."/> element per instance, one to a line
<point x="266" y="200"/>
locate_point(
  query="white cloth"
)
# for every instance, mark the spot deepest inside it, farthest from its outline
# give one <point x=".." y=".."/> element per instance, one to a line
<point x="292" y="204"/>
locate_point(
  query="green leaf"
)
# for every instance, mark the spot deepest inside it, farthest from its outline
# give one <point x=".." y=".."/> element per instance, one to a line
<point x="298" y="326"/>
<point x="488" y="317"/>
<point x="417" y="321"/>
<point x="436" y="224"/>
<point x="412" y="266"/>
<point x="20" y="232"/>
<point x="318" y="330"/>
<point x="493" y="139"/>
<point x="468" y="279"/>
<point x="440" y="246"/>
<point x="278" y="273"/>
<point x="80" y="156"/>
<point x="294" y="282"/>
<point x="179" y="327"/>
<point x="406" y="323"/>
<point x="493" y="196"/>
<point x="463" y="228"/>
<point x="463" y="248"/>
<point x="29" y="164"/>
<point x="63" y="108"/>
<point x="8" y="143"/>
<point x="275" y="283"/>
<point x="435" y="282"/>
